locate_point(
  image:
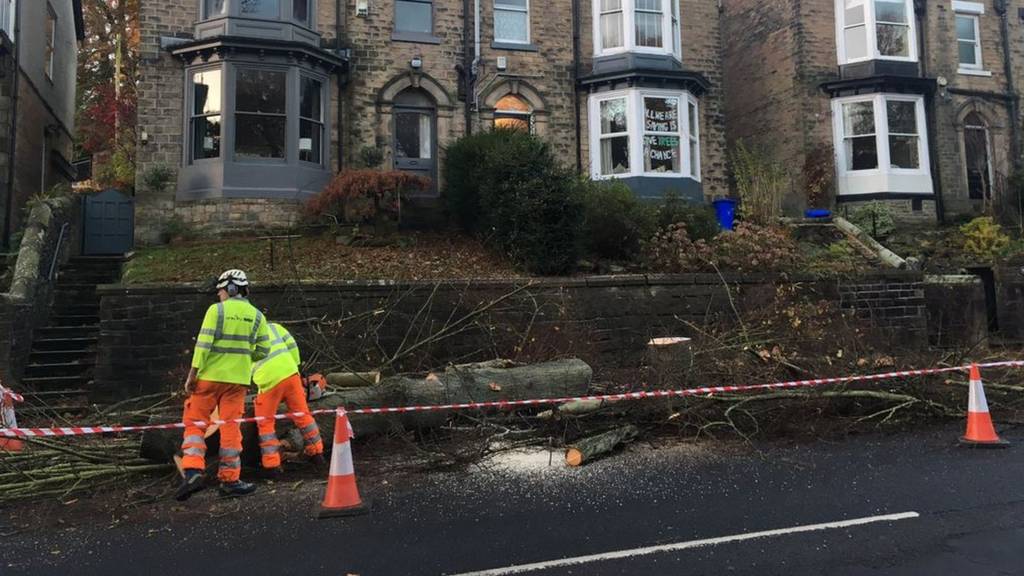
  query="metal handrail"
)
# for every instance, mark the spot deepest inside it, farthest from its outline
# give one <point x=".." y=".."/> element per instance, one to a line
<point x="56" y="250"/>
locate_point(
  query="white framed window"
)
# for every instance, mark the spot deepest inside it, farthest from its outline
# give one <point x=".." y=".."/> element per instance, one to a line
<point x="512" y="21"/>
<point x="644" y="132"/>
<point x="650" y="26"/>
<point x="881" y="144"/>
<point x="7" y="9"/>
<point x="875" y="29"/>
<point x="968" y="37"/>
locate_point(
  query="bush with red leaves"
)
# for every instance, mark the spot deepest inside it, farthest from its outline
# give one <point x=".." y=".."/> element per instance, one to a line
<point x="355" y="196"/>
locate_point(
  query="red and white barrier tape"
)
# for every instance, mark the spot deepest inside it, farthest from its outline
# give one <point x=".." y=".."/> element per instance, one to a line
<point x="505" y="404"/>
<point x="8" y="394"/>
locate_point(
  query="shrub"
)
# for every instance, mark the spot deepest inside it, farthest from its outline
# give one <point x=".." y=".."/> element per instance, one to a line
<point x="984" y="238"/>
<point x="158" y="178"/>
<point x="371" y="156"/>
<point x="176" y="228"/>
<point x="875" y="218"/>
<point x="356" y="196"/>
<point x="760" y="184"/>
<point x="615" y="221"/>
<point x="750" y="248"/>
<point x="699" y="219"/>
<point x="506" y="186"/>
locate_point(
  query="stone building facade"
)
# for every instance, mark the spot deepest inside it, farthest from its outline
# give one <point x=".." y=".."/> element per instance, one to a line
<point x="401" y="79"/>
<point x="913" y="102"/>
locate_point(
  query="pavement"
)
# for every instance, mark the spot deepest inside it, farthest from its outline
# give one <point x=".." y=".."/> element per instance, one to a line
<point x="902" y="504"/>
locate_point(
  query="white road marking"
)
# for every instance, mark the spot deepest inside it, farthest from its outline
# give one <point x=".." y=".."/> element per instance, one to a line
<point x="635" y="552"/>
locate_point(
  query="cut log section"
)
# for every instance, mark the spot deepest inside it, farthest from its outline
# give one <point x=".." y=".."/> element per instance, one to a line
<point x="589" y="449"/>
<point x="353" y="379"/>
<point x="459" y="384"/>
<point x="577" y="408"/>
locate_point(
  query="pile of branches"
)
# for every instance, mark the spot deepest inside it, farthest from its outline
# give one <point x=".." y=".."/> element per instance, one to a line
<point x="59" y="469"/>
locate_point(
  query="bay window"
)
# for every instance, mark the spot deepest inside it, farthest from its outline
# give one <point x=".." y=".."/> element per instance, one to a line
<point x="260" y="8"/>
<point x="650" y="133"/>
<point x="881" y="144"/>
<point x="650" y="26"/>
<point x="512" y="21"/>
<point x="875" y="29"/>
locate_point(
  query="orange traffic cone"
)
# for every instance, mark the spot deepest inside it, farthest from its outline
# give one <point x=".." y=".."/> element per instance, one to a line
<point x="980" y="431"/>
<point x="342" y="497"/>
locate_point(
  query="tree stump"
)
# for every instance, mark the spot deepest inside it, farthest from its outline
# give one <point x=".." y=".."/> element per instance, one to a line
<point x="669" y="361"/>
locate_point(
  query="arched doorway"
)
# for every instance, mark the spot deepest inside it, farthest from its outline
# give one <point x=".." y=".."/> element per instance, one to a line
<point x="414" y="141"/>
<point x="977" y="157"/>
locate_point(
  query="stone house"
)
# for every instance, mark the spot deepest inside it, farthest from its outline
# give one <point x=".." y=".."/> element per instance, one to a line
<point x="912" y="102"/>
<point x="38" y="72"/>
<point x="257" y="103"/>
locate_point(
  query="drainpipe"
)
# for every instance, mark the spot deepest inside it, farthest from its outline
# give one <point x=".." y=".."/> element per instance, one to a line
<point x="929" y="111"/>
<point x="471" y="53"/>
<point x="1012" y="98"/>
<point x="575" y="81"/>
<point x="339" y="25"/>
<point x="12" y="133"/>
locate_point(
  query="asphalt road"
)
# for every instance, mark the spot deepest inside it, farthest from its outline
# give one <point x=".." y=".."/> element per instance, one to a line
<point x="944" y="511"/>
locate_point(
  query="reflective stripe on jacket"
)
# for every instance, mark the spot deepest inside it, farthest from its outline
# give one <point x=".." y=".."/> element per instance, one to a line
<point x="281" y="362"/>
<point x="234" y="334"/>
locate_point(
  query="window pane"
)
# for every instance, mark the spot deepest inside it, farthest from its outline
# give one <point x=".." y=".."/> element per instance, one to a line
<point x="661" y="154"/>
<point x="214" y="8"/>
<point x="965" y="28"/>
<point x="407" y="135"/>
<point x="893" y="40"/>
<point x="259" y="136"/>
<point x="260" y="91"/>
<point x="608" y="5"/>
<point x="653" y="5"/>
<point x="859" y="118"/>
<point x="511" y="3"/>
<point x="517" y="123"/>
<point x="902" y="117"/>
<point x="854" y="13"/>
<point x="260" y="8"/>
<point x="310" y="141"/>
<point x="611" y="30"/>
<point x="206" y="92"/>
<point x="861" y="153"/>
<point x="613" y="116"/>
<point x="615" y="155"/>
<point x="648" y="29"/>
<point x="856" y="41"/>
<point x="694" y="121"/>
<point x="511" y="26"/>
<point x="891" y="11"/>
<point x="968" y="55"/>
<point x="309" y="99"/>
<point x="903" y="152"/>
<point x="414" y="16"/>
<point x="661" y="114"/>
<point x="205" y="137"/>
<point x="300" y="11"/>
<point x="694" y="158"/>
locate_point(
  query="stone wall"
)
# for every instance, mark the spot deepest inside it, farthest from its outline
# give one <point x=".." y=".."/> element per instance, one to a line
<point x="957" y="314"/>
<point x="147" y="332"/>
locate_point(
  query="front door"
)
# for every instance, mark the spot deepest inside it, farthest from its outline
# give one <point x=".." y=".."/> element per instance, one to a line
<point x="414" y="144"/>
<point x="109" y="223"/>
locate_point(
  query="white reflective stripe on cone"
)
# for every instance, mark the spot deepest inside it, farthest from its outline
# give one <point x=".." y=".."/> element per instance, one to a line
<point x="977" y="402"/>
<point x="341" y="461"/>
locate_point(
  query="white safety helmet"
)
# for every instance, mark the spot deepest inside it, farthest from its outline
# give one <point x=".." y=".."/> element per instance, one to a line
<point x="236" y="277"/>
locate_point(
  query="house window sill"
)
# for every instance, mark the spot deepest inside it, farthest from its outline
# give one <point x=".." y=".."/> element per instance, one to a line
<point x="514" y="46"/>
<point x="970" y="72"/>
<point x="414" y="37"/>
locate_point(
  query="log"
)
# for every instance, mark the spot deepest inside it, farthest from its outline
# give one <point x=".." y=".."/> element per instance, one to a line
<point x="458" y="384"/>
<point x="588" y="449"/>
<point x="577" y="408"/>
<point x="353" y="379"/>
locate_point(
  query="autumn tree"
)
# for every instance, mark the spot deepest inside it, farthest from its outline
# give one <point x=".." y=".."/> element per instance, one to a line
<point x="107" y="75"/>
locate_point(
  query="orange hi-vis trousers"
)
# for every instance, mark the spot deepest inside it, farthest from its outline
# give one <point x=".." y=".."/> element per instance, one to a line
<point x="230" y="399"/>
<point x="292" y="393"/>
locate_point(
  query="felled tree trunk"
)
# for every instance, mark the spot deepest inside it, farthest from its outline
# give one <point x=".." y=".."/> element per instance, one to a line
<point x="588" y="449"/>
<point x="353" y="379"/>
<point x="459" y="384"/>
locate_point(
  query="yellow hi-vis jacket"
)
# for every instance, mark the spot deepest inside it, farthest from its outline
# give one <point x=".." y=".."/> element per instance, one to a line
<point x="234" y="334"/>
<point x="282" y="361"/>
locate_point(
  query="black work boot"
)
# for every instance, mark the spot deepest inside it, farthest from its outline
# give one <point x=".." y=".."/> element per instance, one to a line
<point x="236" y="488"/>
<point x="193" y="482"/>
<point x="271" y="473"/>
<point x="318" y="462"/>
